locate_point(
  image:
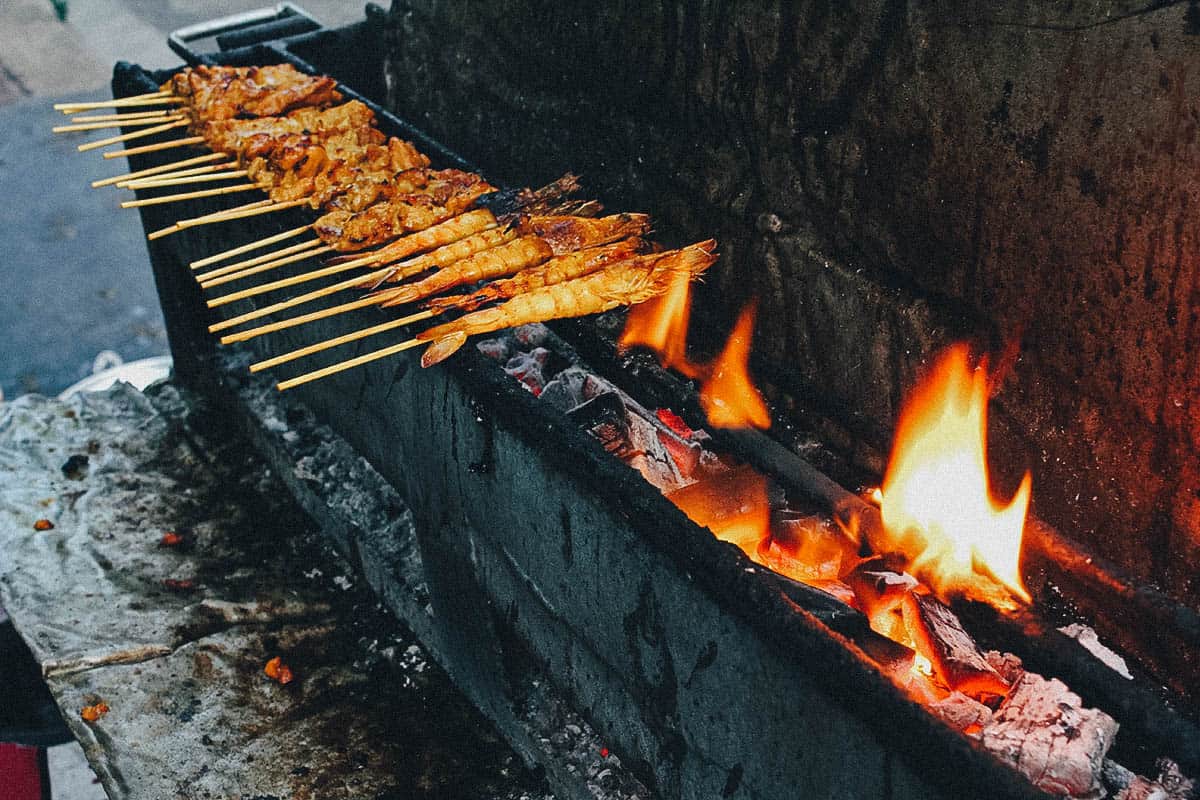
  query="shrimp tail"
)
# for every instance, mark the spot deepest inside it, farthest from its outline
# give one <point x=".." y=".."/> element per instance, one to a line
<point x="443" y="348"/>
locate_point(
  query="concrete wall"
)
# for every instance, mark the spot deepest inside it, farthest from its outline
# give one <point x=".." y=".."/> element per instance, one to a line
<point x="884" y="176"/>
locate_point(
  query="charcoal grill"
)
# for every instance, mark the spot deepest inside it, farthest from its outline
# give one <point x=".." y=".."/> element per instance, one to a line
<point x="540" y="555"/>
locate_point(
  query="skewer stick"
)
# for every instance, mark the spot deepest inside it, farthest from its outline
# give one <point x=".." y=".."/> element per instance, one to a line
<point x="151" y="148"/>
<point x="339" y="340"/>
<point x="159" y="182"/>
<point x="354" y="283"/>
<point x="162" y="168"/>
<point x="283" y="283"/>
<point x="333" y="369"/>
<point x="181" y="173"/>
<point x="254" y="262"/>
<point x="133" y="116"/>
<point x="95" y="126"/>
<point x="149" y="98"/>
<point x="172" y="198"/>
<point x="246" y="248"/>
<point x="216" y="216"/>
<point x="124" y="137"/>
<point x="268" y="207"/>
<point x="246" y="273"/>
<point x="303" y="319"/>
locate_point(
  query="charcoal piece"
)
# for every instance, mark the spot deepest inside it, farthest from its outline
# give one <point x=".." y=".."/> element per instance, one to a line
<point x="604" y="417"/>
<point x="565" y="392"/>
<point x="1090" y="641"/>
<point x="499" y="349"/>
<point x="962" y="713"/>
<point x="651" y="458"/>
<point x="940" y="637"/>
<point x="532" y="335"/>
<point x="1044" y="731"/>
<point x="892" y="657"/>
<point x="686" y="454"/>
<point x="1010" y="666"/>
<point x="528" y="368"/>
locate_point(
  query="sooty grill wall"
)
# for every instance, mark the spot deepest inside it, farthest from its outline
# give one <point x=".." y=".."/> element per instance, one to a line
<point x="885" y="176"/>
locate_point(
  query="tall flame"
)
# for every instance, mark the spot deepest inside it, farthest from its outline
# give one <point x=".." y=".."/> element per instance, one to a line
<point x="729" y="397"/>
<point x="937" y="501"/>
<point x="661" y="324"/>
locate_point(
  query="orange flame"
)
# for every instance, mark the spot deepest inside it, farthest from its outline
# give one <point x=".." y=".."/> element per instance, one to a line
<point x="728" y="396"/>
<point x="733" y="505"/>
<point x="661" y="324"/>
<point x="937" y="502"/>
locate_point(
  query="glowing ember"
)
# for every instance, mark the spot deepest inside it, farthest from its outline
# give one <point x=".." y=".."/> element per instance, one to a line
<point x="732" y="505"/>
<point x="937" y="503"/>
<point x="728" y="395"/>
<point x="661" y="324"/>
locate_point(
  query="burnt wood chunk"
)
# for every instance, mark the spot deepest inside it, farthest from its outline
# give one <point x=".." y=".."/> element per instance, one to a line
<point x="940" y="637"/>
<point x="962" y="713"/>
<point x="1044" y="731"/>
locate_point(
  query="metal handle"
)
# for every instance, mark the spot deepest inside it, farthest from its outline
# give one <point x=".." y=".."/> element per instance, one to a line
<point x="178" y="39"/>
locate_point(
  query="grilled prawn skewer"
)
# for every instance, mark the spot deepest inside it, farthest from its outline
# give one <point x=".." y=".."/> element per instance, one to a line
<point x="623" y="284"/>
<point x="540" y="239"/>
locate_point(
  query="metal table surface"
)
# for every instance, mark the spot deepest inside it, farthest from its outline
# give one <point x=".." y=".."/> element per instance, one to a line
<point x="174" y="638"/>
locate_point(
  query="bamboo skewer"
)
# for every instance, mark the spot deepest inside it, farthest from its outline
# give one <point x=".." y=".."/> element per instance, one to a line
<point x="263" y="207"/>
<point x="132" y="116"/>
<point x="124" y="137"/>
<point x="158" y="183"/>
<point x="333" y="369"/>
<point x="246" y="248"/>
<point x="254" y="262"/>
<point x="291" y="302"/>
<point x="340" y="340"/>
<point x="151" y="148"/>
<point x="283" y="283"/>
<point x="173" y="198"/>
<point x="181" y="173"/>
<point x="95" y="126"/>
<point x="161" y="169"/>
<point x="246" y="273"/>
<point x="150" y="98"/>
<point x="216" y="216"/>
<point x="303" y="319"/>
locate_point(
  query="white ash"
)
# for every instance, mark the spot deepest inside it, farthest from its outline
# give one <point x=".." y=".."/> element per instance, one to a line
<point x="966" y="715"/>
<point x="1087" y="638"/>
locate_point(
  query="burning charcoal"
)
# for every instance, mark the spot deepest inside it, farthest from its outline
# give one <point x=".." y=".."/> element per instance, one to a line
<point x="732" y="504"/>
<point x="565" y="392"/>
<point x="604" y="417"/>
<point x="1087" y="638"/>
<point x="1123" y="784"/>
<point x="531" y="335"/>
<point x="962" y="713"/>
<point x="892" y="657"/>
<point x="495" y="349"/>
<point x="806" y="547"/>
<point x="527" y="368"/>
<point x="651" y="458"/>
<point x="1044" y="731"/>
<point x="879" y="591"/>
<point x="941" y="638"/>
<point x="1010" y="666"/>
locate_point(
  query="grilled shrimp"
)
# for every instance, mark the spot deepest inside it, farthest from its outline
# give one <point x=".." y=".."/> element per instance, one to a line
<point x="449" y="254"/>
<point x="556" y="270"/>
<point x="542" y="238"/>
<point x="623" y="283"/>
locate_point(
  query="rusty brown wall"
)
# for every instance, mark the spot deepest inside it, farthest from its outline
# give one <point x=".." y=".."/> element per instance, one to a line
<point x="885" y="175"/>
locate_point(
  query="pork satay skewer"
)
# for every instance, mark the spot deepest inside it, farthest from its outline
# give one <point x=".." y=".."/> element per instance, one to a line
<point x="155" y="182"/>
<point x="556" y="270"/>
<point x="174" y="198"/>
<point x="129" y="123"/>
<point x="616" y="285"/>
<point x="154" y="148"/>
<point x="150" y="98"/>
<point x="161" y="169"/>
<point x="125" y="137"/>
<point x="133" y="116"/>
